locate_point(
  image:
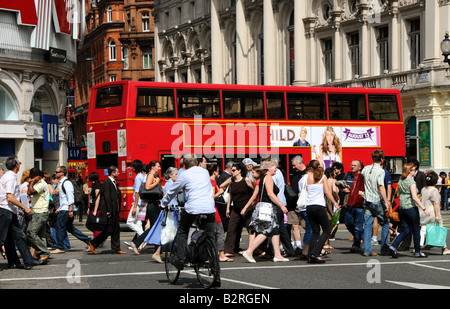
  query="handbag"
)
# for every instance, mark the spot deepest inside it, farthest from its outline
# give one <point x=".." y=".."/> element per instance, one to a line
<point x="97" y="222"/>
<point x="436" y="235"/>
<point x="302" y="198"/>
<point x="264" y="209"/>
<point x="392" y="214"/>
<point x="151" y="195"/>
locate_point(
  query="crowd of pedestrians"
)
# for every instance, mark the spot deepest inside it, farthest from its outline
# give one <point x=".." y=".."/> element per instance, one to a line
<point x="37" y="214"/>
<point x="359" y="198"/>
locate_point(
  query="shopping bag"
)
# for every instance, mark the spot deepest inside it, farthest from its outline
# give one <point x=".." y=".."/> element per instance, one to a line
<point x="436" y="235"/>
<point x="169" y="231"/>
<point x="335" y="218"/>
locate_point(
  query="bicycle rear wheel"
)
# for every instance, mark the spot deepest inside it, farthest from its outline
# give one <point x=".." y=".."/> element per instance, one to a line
<point x="208" y="269"/>
<point x="170" y="254"/>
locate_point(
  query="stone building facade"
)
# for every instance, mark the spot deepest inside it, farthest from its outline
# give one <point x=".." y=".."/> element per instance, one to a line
<point x="341" y="43"/>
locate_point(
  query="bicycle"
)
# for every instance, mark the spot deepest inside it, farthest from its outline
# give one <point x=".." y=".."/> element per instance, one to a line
<point x="203" y="257"/>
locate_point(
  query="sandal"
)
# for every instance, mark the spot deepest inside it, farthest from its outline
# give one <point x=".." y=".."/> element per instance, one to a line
<point x="226" y="260"/>
<point x="2" y="252"/>
<point x="325" y="253"/>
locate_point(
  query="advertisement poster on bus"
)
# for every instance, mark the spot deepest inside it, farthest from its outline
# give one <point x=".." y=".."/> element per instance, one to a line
<point x="326" y="142"/>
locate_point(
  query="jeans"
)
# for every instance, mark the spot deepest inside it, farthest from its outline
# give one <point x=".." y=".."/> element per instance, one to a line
<point x="372" y="211"/>
<point x="66" y="239"/>
<point x="410" y="222"/>
<point x="318" y="218"/>
<point x="308" y="229"/>
<point x="65" y="223"/>
<point x="445" y="194"/>
<point x="9" y="223"/>
<point x="354" y="221"/>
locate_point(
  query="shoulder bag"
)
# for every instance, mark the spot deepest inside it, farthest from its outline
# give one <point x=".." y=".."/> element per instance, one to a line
<point x="97" y="222"/>
<point x="152" y="195"/>
<point x="302" y="198"/>
<point x="265" y="209"/>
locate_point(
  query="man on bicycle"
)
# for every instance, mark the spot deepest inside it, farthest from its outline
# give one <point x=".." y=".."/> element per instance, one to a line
<point x="196" y="184"/>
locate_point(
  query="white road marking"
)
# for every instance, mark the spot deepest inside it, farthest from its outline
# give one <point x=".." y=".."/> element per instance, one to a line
<point x="420" y="285"/>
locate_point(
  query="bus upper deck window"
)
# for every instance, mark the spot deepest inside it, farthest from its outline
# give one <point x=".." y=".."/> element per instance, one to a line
<point x="243" y="105"/>
<point x="109" y="96"/>
<point x="275" y="105"/>
<point x="155" y="103"/>
<point x="205" y="103"/>
<point x="383" y="108"/>
<point x="310" y="106"/>
<point x="347" y="106"/>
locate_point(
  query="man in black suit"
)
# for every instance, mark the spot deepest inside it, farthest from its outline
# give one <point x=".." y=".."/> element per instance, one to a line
<point x="110" y="202"/>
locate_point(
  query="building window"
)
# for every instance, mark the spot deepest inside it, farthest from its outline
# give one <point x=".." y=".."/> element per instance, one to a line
<point x="113" y="78"/>
<point x="291" y="44"/>
<point x="353" y="45"/>
<point x="8" y="109"/>
<point x="125" y="57"/>
<point x="145" y="22"/>
<point x="414" y="43"/>
<point x="112" y="51"/>
<point x="328" y="59"/>
<point x="109" y="14"/>
<point x="147" y="56"/>
<point x="41" y="104"/>
<point x="383" y="49"/>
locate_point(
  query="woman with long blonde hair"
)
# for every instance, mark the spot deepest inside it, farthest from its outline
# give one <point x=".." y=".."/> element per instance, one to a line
<point x="329" y="149"/>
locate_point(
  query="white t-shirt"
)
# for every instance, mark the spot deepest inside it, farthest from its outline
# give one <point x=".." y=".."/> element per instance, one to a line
<point x="9" y="184"/>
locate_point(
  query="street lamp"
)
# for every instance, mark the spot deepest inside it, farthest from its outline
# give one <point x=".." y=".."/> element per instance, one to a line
<point x="445" y="48"/>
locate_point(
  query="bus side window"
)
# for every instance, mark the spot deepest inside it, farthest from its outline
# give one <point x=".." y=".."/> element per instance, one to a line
<point x="311" y="106"/>
<point x="243" y="104"/>
<point x="155" y="103"/>
<point x="275" y="105"/>
<point x="347" y="106"/>
<point x="198" y="102"/>
<point x="383" y="108"/>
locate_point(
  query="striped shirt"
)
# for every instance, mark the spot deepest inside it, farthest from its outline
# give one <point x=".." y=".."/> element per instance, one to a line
<point x="373" y="178"/>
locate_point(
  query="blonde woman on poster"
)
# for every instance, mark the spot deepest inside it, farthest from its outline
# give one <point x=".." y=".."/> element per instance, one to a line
<point x="330" y="149"/>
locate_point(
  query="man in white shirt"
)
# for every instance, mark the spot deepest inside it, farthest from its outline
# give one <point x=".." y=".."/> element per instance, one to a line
<point x="374" y="193"/>
<point x="9" y="208"/>
<point x="65" y="212"/>
<point x="196" y="184"/>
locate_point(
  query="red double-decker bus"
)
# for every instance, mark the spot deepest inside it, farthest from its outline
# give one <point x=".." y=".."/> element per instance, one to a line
<point x="131" y="120"/>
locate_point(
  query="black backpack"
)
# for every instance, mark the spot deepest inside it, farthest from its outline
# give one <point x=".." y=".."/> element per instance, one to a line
<point x="78" y="193"/>
<point x="291" y="198"/>
<point x="195" y="251"/>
